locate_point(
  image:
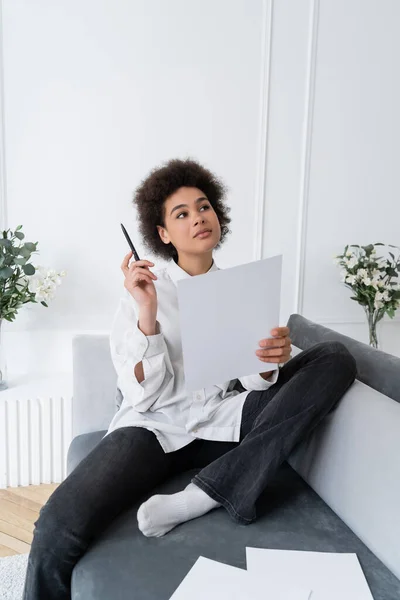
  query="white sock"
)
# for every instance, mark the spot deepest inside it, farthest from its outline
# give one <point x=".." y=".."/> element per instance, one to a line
<point x="161" y="513"/>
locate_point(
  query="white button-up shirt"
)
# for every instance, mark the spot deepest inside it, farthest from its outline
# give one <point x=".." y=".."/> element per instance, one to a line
<point x="160" y="402"/>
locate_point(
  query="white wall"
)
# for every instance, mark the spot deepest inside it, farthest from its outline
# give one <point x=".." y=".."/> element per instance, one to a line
<point x="332" y="148"/>
<point x="98" y="93"/>
<point x="301" y="127"/>
<point x="354" y="185"/>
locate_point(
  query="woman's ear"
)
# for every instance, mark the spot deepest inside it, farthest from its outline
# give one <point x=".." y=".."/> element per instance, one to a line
<point x="163" y="234"/>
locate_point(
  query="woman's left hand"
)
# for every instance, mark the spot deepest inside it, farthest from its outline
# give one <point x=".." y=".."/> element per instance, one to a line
<point x="276" y="349"/>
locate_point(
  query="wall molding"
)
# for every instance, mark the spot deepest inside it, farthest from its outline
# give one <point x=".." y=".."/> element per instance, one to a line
<point x="306" y="158"/>
<point x="265" y="84"/>
<point x="3" y="183"/>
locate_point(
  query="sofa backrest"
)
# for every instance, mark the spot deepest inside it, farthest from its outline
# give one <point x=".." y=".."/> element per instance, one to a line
<point x="352" y="459"/>
<point x="94" y="383"/>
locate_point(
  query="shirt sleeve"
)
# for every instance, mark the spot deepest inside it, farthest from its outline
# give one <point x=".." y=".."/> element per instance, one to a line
<point x="257" y="383"/>
<point x="129" y="346"/>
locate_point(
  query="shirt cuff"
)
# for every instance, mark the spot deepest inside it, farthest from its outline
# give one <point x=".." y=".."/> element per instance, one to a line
<point x="273" y="377"/>
<point x="257" y="383"/>
<point x="146" y="346"/>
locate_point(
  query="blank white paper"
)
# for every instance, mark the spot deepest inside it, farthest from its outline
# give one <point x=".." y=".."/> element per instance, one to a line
<point x="330" y="575"/>
<point x="223" y="316"/>
<point x="212" y="580"/>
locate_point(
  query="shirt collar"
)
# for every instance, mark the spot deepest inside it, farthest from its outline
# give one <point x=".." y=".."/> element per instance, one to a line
<point x="176" y="272"/>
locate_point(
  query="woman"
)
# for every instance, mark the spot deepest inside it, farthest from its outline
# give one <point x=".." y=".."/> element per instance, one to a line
<point x="237" y="433"/>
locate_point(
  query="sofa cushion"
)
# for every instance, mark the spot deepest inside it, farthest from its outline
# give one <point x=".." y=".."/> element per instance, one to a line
<point x="123" y="564"/>
<point x="81" y="446"/>
<point x="377" y="369"/>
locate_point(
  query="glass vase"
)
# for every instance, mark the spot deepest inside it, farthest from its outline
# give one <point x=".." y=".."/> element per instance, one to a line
<point x="374" y="328"/>
<point x="3" y="363"/>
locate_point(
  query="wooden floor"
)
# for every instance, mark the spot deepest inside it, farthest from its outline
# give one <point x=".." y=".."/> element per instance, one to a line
<point x="19" y="509"/>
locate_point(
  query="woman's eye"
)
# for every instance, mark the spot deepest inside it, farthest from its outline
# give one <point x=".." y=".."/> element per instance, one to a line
<point x="184" y="213"/>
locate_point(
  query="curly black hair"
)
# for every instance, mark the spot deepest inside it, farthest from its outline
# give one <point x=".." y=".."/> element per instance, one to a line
<point x="164" y="181"/>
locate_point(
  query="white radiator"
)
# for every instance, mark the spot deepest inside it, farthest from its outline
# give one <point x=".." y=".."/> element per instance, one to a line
<point x="35" y="434"/>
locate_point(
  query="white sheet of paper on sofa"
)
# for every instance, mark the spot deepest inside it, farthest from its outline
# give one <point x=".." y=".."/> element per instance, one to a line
<point x="223" y="315"/>
<point x="211" y="580"/>
<point x="330" y="575"/>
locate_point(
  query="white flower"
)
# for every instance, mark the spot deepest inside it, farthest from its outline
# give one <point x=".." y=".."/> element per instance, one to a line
<point x="343" y="275"/>
<point x="349" y="252"/>
<point x="378" y="300"/>
<point x="381" y="299"/>
<point x="351" y="279"/>
<point x="367" y="281"/>
<point x="362" y="273"/>
<point x="43" y="283"/>
<point x="352" y="262"/>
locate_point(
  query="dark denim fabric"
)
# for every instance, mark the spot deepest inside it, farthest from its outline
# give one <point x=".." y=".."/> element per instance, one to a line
<point x="129" y="462"/>
<point x="274" y="421"/>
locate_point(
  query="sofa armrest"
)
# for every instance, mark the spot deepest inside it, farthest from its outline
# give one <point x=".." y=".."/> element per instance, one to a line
<point x="351" y="459"/>
<point x="94" y="384"/>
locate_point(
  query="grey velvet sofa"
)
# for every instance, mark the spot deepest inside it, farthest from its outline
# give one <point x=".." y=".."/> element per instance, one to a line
<point x="338" y="492"/>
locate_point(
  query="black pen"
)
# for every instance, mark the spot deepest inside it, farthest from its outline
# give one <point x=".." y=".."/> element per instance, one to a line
<point x="128" y="239"/>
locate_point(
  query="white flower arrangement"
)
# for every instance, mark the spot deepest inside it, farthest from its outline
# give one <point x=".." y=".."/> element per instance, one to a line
<point x="372" y="281"/>
<point x="44" y="283"/>
<point x="20" y="281"/>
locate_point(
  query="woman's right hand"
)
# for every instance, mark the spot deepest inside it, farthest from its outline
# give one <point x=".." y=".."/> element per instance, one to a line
<point x="139" y="281"/>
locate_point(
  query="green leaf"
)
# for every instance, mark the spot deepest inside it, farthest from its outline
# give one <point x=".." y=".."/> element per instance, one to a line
<point x="18" y="228"/>
<point x="20" y="261"/>
<point x="30" y="246"/>
<point x="19" y="235"/>
<point x="23" y="251"/>
<point x="28" y="269"/>
<point x="5" y="272"/>
<point x="368" y="249"/>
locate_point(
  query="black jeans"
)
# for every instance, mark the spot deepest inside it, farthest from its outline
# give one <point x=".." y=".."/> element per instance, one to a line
<point x="129" y="462"/>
